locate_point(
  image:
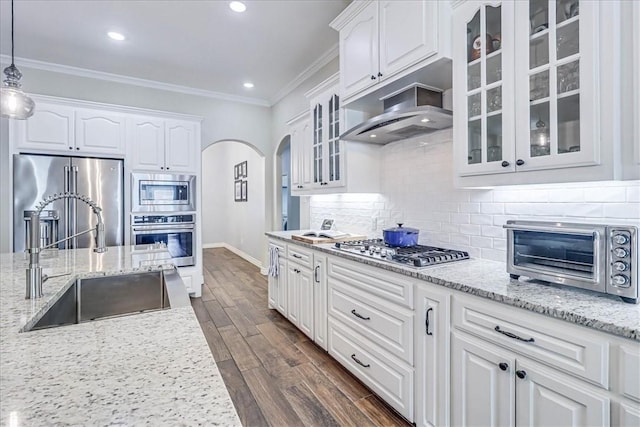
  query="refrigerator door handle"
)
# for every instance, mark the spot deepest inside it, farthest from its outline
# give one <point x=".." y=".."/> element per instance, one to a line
<point x="73" y="205"/>
<point x="67" y="207"/>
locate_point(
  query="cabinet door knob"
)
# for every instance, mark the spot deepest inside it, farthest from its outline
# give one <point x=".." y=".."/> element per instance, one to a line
<point x="379" y="74"/>
<point x="373" y="77"/>
<point x="503" y="366"/>
<point x="70" y="148"/>
<point x="519" y="162"/>
<point x="505" y="164"/>
<point x="77" y="148"/>
<point x="521" y="374"/>
<point x="162" y="167"/>
<point x="167" y="167"/>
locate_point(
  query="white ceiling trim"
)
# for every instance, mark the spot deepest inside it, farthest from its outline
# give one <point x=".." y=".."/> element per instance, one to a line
<point x="323" y="60"/>
<point x="83" y="72"/>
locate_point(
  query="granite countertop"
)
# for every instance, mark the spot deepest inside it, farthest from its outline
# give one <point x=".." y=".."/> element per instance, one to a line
<point x="489" y="279"/>
<point x="153" y="368"/>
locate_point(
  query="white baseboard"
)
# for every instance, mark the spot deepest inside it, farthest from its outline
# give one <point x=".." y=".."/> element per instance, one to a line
<point x="244" y="255"/>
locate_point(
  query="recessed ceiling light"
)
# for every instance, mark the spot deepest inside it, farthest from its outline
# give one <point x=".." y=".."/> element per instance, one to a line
<point x="373" y="135"/>
<point x="237" y="6"/>
<point x="425" y="120"/>
<point x="248" y="85"/>
<point x="115" y="36"/>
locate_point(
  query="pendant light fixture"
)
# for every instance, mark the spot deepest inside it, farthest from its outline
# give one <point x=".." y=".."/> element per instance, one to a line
<point x="14" y="103"/>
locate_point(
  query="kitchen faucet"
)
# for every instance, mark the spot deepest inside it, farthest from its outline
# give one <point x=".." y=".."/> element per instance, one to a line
<point x="34" y="272"/>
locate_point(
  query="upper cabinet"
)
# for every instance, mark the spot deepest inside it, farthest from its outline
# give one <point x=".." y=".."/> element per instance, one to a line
<point x="320" y="162"/>
<point x="163" y="145"/>
<point x="380" y="40"/>
<point x="533" y="93"/>
<point x="59" y="128"/>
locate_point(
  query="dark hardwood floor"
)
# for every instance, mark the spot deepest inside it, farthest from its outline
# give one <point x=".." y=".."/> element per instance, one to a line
<point x="275" y="375"/>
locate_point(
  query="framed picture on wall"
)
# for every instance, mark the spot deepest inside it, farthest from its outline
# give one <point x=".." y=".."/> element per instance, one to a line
<point x="236" y="172"/>
<point x="237" y="190"/>
<point x="245" y="172"/>
<point x="243" y="190"/>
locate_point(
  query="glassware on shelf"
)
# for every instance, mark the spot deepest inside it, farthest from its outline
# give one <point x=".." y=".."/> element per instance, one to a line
<point x="475" y="105"/>
<point x="569" y="77"/>
<point x="540" y="140"/>
<point x="539" y="85"/>
<point x="494" y="99"/>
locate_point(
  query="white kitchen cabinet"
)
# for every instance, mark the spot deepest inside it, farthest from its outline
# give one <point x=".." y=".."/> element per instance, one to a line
<point x="380" y="39"/>
<point x="432" y="364"/>
<point x="166" y="145"/>
<point x="300" y="289"/>
<point x="60" y="128"/>
<point x="277" y="286"/>
<point x="300" y="174"/>
<point x="531" y="92"/>
<point x="636" y="77"/>
<point x="320" y="162"/>
<point x="320" y="299"/>
<point x="100" y="132"/>
<point x="51" y="128"/>
<point x="491" y="386"/>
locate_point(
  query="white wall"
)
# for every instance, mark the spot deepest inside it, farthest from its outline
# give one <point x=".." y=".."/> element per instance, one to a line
<point x="238" y="224"/>
<point x="5" y="190"/>
<point x="418" y="190"/>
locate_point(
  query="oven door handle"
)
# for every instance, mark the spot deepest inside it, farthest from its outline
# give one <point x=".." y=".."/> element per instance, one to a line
<point x="155" y="228"/>
<point x="567" y="230"/>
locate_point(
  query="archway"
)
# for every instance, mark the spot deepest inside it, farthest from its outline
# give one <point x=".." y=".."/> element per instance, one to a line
<point x="228" y="218"/>
<point x="286" y="207"/>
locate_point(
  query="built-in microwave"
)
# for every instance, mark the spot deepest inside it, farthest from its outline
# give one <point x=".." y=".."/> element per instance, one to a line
<point x="602" y="258"/>
<point x="153" y="192"/>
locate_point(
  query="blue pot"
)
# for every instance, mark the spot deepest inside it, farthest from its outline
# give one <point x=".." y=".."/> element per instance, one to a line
<point x="400" y="236"/>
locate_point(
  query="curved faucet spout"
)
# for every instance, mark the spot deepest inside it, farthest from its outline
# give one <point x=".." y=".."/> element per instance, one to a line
<point x="34" y="272"/>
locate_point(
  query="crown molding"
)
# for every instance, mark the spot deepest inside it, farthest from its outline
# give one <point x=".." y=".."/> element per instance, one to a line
<point x="323" y="60"/>
<point x="456" y="3"/>
<point x="117" y="78"/>
<point x="325" y="85"/>
<point x="301" y="115"/>
<point x="351" y="11"/>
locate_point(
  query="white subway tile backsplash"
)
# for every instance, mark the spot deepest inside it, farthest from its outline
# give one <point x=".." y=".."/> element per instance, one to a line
<point x="418" y="191"/>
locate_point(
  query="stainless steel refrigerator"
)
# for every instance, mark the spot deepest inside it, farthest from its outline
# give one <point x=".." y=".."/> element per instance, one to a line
<point x="38" y="176"/>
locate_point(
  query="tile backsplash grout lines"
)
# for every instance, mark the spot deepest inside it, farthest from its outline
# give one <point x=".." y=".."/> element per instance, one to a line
<point x="418" y="191"/>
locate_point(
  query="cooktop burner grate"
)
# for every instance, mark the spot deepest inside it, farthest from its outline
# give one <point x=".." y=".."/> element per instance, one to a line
<point x="413" y="256"/>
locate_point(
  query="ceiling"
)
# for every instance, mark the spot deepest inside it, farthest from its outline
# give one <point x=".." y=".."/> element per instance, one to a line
<point x="201" y="45"/>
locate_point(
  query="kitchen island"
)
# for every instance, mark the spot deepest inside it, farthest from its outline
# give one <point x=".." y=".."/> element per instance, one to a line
<point x="152" y="368"/>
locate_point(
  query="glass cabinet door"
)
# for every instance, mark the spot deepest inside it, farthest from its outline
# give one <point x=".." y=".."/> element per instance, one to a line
<point x="488" y="76"/>
<point x="317" y="144"/>
<point x="333" y="141"/>
<point x="550" y="82"/>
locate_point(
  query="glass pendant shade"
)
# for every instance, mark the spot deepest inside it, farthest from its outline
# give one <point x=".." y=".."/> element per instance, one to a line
<point x="14" y="103"/>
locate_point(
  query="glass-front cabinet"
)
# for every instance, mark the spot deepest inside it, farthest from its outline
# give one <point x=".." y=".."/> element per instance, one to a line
<point x="327" y="150"/>
<point x="525" y="85"/>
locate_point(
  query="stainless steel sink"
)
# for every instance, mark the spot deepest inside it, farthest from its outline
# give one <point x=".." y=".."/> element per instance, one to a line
<point x="111" y="296"/>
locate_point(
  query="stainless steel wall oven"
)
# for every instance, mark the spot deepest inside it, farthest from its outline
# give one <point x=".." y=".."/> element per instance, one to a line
<point x="177" y="232"/>
<point x="602" y="258"/>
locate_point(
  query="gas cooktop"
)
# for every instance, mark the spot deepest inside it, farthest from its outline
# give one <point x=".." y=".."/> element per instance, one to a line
<point x="412" y="256"/>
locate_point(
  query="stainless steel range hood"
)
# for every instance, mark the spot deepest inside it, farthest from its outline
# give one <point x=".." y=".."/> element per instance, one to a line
<point x="411" y="112"/>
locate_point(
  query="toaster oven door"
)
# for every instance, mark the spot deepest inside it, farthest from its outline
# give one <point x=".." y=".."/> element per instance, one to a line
<point x="571" y="256"/>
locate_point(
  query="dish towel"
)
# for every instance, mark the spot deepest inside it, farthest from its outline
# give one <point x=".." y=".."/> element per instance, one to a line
<point x="273" y="261"/>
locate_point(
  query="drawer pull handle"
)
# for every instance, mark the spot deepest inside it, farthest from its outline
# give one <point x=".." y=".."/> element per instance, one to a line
<point x="353" y="356"/>
<point x="426" y="321"/>
<point x="296" y="256"/>
<point x="355" y="313"/>
<point x="511" y="335"/>
<point x="521" y="374"/>
<point x="315" y="274"/>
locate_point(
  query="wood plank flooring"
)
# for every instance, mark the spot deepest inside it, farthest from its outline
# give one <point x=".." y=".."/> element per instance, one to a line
<point x="275" y="375"/>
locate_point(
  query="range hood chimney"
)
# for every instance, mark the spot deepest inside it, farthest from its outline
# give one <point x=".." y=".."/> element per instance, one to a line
<point x="408" y="113"/>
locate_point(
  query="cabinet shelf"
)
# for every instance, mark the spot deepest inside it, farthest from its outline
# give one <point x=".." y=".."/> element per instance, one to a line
<point x="475" y="118"/>
<point x="567" y="22"/>
<point x="494" y="53"/>
<point x="539" y="101"/>
<point x="537" y="37"/>
<point x="494" y="113"/>
<point x="568" y="94"/>
<point x="474" y="62"/>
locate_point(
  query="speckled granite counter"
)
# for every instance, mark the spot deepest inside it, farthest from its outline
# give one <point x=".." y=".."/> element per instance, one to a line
<point x="489" y="279"/>
<point x="146" y="369"/>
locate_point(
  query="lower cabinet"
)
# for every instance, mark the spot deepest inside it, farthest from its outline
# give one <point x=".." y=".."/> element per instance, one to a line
<point x="277" y="286"/>
<point x="431" y="341"/>
<point x="493" y="387"/>
<point x="320" y="300"/>
<point x="300" y="290"/>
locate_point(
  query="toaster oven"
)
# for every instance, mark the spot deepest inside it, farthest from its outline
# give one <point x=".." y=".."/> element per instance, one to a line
<point x="601" y="258"/>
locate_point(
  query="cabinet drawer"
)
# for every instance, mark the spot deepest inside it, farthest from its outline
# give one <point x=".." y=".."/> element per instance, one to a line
<point x="387" y="325"/>
<point x="282" y="249"/>
<point x="386" y="375"/>
<point x="559" y="344"/>
<point x="388" y="286"/>
<point x="302" y="256"/>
